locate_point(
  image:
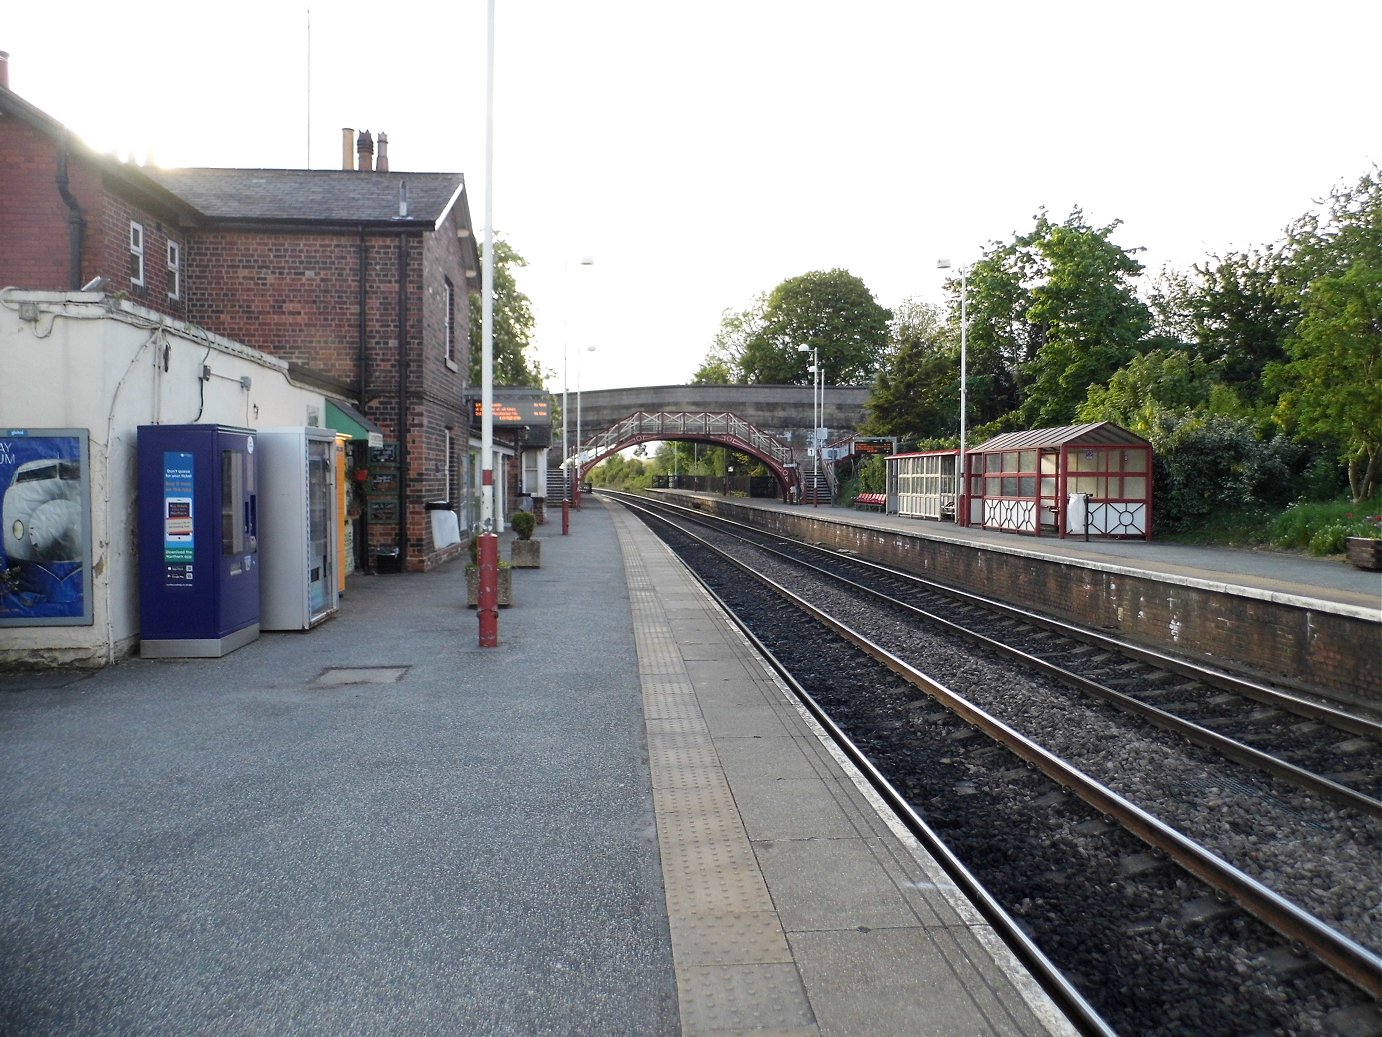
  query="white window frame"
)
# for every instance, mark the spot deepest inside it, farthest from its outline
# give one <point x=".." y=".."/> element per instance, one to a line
<point x="174" y="270"/>
<point x="450" y="321"/>
<point x="136" y="254"/>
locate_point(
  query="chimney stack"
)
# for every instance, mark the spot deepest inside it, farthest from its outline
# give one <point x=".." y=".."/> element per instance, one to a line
<point x="5" y="69"/>
<point x="382" y="166"/>
<point x="347" y="147"/>
<point x="365" y="147"/>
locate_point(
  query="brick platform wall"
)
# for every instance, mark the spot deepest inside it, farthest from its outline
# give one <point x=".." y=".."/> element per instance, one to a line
<point x="1310" y="648"/>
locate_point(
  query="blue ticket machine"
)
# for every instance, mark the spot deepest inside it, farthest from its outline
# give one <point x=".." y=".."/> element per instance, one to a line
<point x="198" y="540"/>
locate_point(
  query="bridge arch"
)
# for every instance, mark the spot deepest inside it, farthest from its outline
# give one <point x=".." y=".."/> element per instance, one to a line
<point x="704" y="426"/>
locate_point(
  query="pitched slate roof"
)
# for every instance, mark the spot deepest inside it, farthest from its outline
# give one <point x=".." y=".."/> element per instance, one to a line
<point x="1098" y="433"/>
<point x="337" y="196"/>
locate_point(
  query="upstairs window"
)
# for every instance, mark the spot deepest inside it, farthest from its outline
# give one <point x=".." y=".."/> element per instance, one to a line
<point x="450" y="319"/>
<point x="174" y="270"/>
<point x="136" y="254"/>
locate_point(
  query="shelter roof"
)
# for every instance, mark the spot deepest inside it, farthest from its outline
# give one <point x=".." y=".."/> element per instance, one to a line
<point x="1098" y="433"/>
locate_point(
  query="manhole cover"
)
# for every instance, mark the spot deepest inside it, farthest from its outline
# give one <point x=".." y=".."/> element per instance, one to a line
<point x="338" y="675"/>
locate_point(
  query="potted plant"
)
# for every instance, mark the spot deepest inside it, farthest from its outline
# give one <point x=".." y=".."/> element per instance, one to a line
<point x="472" y="579"/>
<point x="525" y="552"/>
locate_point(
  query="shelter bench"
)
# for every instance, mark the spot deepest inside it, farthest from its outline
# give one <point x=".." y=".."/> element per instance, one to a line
<point x="878" y="501"/>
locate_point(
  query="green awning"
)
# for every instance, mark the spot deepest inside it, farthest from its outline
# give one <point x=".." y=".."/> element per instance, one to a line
<point x="342" y="417"/>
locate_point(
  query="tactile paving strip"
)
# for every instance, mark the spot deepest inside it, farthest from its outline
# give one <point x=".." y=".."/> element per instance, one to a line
<point x="735" y="973"/>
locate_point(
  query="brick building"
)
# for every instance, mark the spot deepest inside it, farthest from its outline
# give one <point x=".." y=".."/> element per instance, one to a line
<point x="358" y="278"/>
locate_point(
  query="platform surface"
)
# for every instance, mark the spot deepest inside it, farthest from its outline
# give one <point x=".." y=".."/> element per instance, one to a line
<point x="1267" y="573"/>
<point x="615" y="822"/>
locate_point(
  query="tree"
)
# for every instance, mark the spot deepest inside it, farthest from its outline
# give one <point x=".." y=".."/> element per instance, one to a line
<point x="832" y="311"/>
<point x="1052" y="313"/>
<point x="723" y="365"/>
<point x="1330" y="384"/>
<point x="513" y="325"/>
<point x="1230" y="312"/>
<point x="916" y="391"/>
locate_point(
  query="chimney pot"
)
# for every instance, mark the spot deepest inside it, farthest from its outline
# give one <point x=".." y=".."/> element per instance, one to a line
<point x="365" y="147"/>
<point x="382" y="166"/>
<point x="5" y="69"/>
<point x="347" y="147"/>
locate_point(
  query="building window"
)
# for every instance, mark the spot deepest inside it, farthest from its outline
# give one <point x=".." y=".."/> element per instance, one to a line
<point x="174" y="270"/>
<point x="136" y="254"/>
<point x="450" y="321"/>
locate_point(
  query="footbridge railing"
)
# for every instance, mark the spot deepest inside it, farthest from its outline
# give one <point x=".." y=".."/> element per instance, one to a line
<point x="645" y="426"/>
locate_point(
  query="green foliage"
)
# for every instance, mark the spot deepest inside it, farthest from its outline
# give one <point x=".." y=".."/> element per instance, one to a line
<point x="513" y="325"/>
<point x="1322" y="526"/>
<point x="1208" y="464"/>
<point x="831" y="311"/>
<point x="1329" y="386"/>
<point x="523" y="523"/>
<point x="917" y="390"/>
<point x="622" y="473"/>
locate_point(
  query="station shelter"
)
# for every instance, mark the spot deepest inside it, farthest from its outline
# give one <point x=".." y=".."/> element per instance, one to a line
<point x="922" y="484"/>
<point x="1093" y="480"/>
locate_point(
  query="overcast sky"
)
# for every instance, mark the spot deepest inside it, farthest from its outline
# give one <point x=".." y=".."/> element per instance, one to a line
<point x="703" y="152"/>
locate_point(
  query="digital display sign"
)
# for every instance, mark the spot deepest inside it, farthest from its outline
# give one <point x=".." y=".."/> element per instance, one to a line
<point x="515" y="412"/>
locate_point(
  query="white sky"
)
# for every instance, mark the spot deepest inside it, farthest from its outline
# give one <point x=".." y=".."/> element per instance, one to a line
<point x="703" y="152"/>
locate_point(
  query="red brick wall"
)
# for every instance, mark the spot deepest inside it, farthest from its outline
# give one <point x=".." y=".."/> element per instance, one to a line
<point x="296" y="294"/>
<point x="35" y="231"/>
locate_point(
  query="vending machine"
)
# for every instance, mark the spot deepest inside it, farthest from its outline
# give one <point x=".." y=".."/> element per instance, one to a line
<point x="299" y="520"/>
<point x="198" y="540"/>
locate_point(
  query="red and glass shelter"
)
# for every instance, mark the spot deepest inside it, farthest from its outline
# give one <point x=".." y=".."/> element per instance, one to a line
<point x="1087" y="480"/>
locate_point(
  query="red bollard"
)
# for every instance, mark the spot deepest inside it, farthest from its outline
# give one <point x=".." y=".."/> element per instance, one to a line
<point x="565" y="517"/>
<point x="487" y="594"/>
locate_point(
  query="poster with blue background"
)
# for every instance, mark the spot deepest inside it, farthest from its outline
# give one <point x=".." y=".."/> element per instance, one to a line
<point x="45" y="539"/>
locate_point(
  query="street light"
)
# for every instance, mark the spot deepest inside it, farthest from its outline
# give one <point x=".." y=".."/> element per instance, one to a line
<point x="565" y="379"/>
<point x="579" y="449"/>
<point x="817" y="384"/>
<point x="962" y="503"/>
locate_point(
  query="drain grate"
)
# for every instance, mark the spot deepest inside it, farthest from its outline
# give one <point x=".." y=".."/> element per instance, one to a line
<point x="336" y="676"/>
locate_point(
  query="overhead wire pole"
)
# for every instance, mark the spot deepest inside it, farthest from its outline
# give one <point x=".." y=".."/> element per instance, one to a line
<point x="487" y="596"/>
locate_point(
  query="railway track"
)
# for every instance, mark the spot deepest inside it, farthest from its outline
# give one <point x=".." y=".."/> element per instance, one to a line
<point x="1125" y="768"/>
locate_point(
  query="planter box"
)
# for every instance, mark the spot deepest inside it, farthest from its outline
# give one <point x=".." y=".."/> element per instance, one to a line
<point x="1365" y="552"/>
<point x="472" y="586"/>
<point x="526" y="554"/>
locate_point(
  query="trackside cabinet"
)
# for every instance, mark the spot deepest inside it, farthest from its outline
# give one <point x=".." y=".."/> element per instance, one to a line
<point x="198" y="540"/>
<point x="299" y="523"/>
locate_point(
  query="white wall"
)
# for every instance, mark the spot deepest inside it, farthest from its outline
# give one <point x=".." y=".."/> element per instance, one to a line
<point x="82" y="360"/>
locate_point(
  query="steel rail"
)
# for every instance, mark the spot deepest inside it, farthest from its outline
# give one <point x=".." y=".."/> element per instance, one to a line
<point x="1228" y="747"/>
<point x="1351" y="960"/>
<point x="1225" y="681"/>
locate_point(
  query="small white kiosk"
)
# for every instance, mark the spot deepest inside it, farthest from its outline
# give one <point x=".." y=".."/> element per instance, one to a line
<point x="298" y="523"/>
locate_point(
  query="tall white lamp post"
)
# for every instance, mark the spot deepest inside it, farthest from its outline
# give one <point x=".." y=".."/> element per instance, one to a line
<point x="565" y="381"/>
<point x="962" y="502"/>
<point x="579" y="449"/>
<point x="487" y="597"/>
<point x="816" y="386"/>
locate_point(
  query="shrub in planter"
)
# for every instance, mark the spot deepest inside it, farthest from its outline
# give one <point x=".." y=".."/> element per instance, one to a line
<point x="523" y="523"/>
<point x="525" y="552"/>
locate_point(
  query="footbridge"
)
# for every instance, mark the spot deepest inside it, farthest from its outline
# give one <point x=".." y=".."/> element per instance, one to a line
<point x="771" y="423"/>
<point x="725" y="429"/>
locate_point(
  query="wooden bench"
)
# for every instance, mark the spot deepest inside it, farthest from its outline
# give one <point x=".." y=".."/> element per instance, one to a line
<point x="871" y="501"/>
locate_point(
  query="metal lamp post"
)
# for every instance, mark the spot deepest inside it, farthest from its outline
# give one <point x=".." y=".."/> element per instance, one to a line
<point x="962" y="502"/>
<point x="565" y="381"/>
<point x="576" y="493"/>
<point x="817" y="386"/>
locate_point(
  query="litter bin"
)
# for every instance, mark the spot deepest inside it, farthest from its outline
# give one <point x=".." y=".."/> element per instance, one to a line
<point x="386" y="560"/>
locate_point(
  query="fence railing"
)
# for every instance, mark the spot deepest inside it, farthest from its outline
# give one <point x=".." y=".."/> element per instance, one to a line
<point x="648" y="425"/>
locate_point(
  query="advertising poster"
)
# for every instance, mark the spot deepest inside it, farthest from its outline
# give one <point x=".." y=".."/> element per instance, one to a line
<point x="45" y="541"/>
